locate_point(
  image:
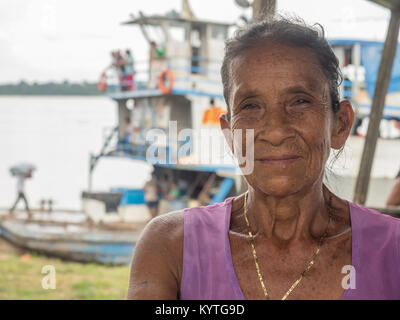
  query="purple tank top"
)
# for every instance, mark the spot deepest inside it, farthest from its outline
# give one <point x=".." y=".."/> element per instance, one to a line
<point x="208" y="272"/>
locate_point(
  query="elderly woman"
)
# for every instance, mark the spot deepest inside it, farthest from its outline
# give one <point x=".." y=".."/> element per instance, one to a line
<point x="288" y="236"/>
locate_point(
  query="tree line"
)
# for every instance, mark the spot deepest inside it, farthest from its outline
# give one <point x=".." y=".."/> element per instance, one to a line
<point x="50" y="88"/>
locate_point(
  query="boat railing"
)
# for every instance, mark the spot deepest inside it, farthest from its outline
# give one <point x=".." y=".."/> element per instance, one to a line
<point x="188" y="73"/>
<point x="134" y="146"/>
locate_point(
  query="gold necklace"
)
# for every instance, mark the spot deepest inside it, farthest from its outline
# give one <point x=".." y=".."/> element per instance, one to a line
<point x="253" y="248"/>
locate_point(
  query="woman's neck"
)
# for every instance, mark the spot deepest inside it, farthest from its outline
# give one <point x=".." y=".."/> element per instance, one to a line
<point x="286" y="220"/>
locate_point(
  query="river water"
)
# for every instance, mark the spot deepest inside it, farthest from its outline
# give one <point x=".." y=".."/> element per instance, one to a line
<point x="57" y="135"/>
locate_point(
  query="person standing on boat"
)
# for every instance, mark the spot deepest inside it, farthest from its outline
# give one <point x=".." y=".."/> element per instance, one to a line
<point x="165" y="186"/>
<point x="151" y="195"/>
<point x="114" y="67"/>
<point x="21" y="192"/>
<point x="212" y="114"/>
<point x="157" y="63"/>
<point x="175" y="198"/>
<point x="175" y="192"/>
<point x="119" y="65"/>
<point x="129" y="70"/>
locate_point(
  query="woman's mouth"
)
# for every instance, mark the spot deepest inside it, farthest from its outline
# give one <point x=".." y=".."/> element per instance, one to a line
<point x="282" y="160"/>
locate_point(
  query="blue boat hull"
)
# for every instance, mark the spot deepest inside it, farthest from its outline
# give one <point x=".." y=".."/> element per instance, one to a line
<point x="105" y="247"/>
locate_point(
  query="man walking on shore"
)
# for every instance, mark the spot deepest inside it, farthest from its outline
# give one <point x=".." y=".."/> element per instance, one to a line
<point x="21" y="192"/>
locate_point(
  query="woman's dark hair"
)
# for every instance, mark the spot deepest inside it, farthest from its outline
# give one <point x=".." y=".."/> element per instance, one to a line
<point x="292" y="32"/>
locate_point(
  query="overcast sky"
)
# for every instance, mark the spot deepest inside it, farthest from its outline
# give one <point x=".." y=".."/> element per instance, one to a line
<point x="42" y="40"/>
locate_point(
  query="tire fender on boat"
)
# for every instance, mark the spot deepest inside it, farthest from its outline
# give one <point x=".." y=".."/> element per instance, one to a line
<point x="170" y="76"/>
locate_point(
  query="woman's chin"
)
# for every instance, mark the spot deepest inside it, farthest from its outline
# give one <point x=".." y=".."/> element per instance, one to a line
<point x="279" y="186"/>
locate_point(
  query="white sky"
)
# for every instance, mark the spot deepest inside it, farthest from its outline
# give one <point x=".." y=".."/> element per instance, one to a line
<point x="42" y="40"/>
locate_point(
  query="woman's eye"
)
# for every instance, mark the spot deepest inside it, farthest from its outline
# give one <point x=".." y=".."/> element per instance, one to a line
<point x="249" y="106"/>
<point x="301" y="101"/>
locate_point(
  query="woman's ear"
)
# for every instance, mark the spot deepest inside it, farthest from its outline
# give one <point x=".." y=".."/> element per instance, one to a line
<point x="343" y="122"/>
<point x="226" y="129"/>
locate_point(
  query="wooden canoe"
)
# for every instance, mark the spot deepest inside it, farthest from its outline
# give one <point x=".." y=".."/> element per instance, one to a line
<point x="72" y="241"/>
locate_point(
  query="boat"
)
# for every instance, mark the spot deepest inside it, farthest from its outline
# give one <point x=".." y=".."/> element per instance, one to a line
<point x="70" y="236"/>
<point x="172" y="108"/>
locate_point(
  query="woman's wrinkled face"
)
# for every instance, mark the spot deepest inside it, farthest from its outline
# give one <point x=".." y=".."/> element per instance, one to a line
<point x="282" y="93"/>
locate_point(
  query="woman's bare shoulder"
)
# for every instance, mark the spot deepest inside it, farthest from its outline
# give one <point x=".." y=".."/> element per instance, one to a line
<point x="166" y="228"/>
<point x="156" y="268"/>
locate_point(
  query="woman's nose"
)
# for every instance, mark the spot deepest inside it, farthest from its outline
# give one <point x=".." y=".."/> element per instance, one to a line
<point x="275" y="128"/>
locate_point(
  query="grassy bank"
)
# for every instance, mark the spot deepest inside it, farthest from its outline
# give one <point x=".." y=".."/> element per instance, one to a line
<point x="21" y="277"/>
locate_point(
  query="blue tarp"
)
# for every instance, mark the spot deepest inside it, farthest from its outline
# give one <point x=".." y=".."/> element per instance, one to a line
<point x="371" y="52"/>
<point x="370" y="58"/>
<point x="130" y="196"/>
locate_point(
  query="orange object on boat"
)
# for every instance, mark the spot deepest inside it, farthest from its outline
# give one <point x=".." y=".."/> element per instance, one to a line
<point x="102" y="84"/>
<point x="166" y="73"/>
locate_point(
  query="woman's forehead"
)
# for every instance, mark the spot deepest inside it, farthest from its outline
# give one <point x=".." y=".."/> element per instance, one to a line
<point x="274" y="50"/>
<point x="277" y="64"/>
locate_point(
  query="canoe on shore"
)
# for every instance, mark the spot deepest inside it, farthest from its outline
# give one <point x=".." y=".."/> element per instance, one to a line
<point x="76" y="242"/>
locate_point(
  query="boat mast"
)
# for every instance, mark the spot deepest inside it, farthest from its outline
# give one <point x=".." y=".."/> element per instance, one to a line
<point x="186" y="11"/>
<point x="266" y="8"/>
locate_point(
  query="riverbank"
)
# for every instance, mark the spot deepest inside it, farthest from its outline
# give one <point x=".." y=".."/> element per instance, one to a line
<point x="21" y="278"/>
